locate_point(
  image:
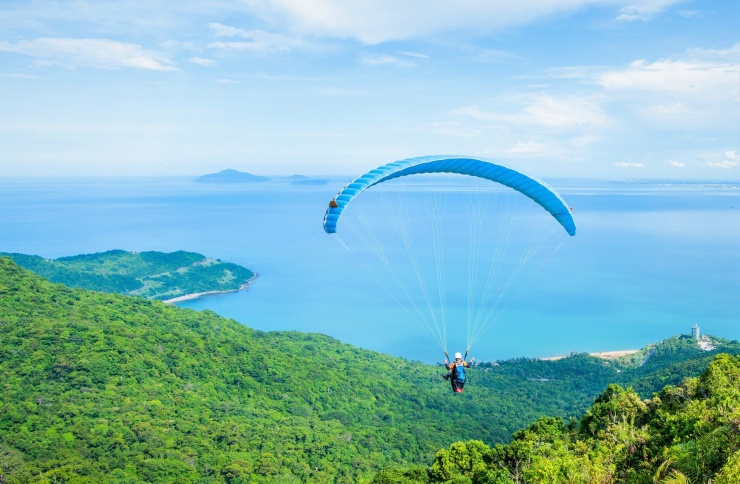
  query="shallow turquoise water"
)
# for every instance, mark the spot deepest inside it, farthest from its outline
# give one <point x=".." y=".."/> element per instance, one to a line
<point x="649" y="261"/>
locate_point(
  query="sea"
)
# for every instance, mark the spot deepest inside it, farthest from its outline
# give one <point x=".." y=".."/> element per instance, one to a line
<point x="650" y="260"/>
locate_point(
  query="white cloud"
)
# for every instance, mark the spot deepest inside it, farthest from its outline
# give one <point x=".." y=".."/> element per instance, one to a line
<point x="678" y="164"/>
<point x="667" y="110"/>
<point x="376" y="21"/>
<point x="17" y="75"/>
<point x="676" y="76"/>
<point x="384" y="59"/>
<point x="714" y="73"/>
<point x="526" y="148"/>
<point x="584" y="141"/>
<point x="565" y="112"/>
<point x="221" y="30"/>
<point x="700" y="90"/>
<point x="644" y="10"/>
<point x="547" y="112"/>
<point x="452" y="129"/>
<point x="255" y="40"/>
<point x="723" y="164"/>
<point x="691" y="13"/>
<point x="98" y="53"/>
<point x="728" y="159"/>
<point x="202" y="62"/>
<point x="177" y="45"/>
<point x="477" y="113"/>
<point x="731" y="55"/>
<point x="415" y="54"/>
<point x="623" y="164"/>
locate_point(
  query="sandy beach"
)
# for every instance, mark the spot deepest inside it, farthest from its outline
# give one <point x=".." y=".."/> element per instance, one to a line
<point x="607" y="355"/>
<point x="188" y="297"/>
<point x="612" y="355"/>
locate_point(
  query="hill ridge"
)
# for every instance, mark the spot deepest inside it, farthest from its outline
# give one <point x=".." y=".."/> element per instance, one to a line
<point x="108" y="387"/>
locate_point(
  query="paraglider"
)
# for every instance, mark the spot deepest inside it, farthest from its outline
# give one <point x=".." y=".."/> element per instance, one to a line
<point x="457" y="375"/>
<point x="448" y="251"/>
<point x="531" y="187"/>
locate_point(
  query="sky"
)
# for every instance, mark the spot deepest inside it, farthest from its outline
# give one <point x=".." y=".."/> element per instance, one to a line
<point x="612" y="89"/>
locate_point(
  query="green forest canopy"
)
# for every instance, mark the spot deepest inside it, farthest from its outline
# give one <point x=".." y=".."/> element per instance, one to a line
<point x="688" y="433"/>
<point x="107" y="388"/>
<point x="153" y="275"/>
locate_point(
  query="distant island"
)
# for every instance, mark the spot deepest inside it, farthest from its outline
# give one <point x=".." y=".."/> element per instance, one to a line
<point x="168" y="277"/>
<point x="310" y="181"/>
<point x="304" y="180"/>
<point x="231" y="176"/>
<point x="235" y="176"/>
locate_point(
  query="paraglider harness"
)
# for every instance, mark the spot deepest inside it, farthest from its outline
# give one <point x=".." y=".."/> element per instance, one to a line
<point x="457" y="374"/>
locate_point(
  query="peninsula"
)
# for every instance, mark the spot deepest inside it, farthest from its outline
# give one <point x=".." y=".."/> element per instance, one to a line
<point x="170" y="277"/>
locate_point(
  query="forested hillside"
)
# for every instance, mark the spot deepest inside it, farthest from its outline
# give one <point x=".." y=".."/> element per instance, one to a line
<point x="688" y="433"/>
<point x="667" y="362"/>
<point x="101" y="387"/>
<point x="153" y="275"/>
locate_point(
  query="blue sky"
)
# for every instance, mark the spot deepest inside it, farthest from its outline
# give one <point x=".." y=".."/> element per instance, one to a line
<point x="575" y="88"/>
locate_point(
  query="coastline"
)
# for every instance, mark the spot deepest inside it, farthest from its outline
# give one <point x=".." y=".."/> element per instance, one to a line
<point x="189" y="297"/>
<point x="606" y="355"/>
<point x="613" y="355"/>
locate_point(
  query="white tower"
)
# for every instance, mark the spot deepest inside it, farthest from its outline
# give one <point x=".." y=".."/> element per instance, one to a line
<point x="695" y="332"/>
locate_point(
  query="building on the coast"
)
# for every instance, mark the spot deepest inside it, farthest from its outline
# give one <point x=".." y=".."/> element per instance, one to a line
<point x="704" y="342"/>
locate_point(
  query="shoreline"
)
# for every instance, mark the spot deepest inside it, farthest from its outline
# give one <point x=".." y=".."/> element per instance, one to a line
<point x="605" y="355"/>
<point x="197" y="295"/>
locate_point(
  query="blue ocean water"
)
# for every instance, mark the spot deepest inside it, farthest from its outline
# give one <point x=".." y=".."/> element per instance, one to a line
<point x="650" y="259"/>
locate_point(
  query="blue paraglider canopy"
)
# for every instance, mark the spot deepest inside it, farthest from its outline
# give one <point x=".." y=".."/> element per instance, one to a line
<point x="535" y="189"/>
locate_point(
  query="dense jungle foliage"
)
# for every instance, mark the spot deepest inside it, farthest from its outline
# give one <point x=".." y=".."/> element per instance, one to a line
<point x="153" y="275"/>
<point x="688" y="433"/>
<point x="101" y="387"/>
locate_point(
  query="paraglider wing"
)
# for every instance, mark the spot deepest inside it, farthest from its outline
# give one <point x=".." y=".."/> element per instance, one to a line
<point x="535" y="189"/>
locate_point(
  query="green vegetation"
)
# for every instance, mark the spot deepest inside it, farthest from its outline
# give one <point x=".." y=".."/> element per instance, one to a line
<point x="688" y="433"/>
<point x="153" y="275"/>
<point x="667" y="362"/>
<point x="101" y="387"/>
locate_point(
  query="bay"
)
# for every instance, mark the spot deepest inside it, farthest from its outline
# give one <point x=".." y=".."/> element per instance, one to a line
<point x="650" y="259"/>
